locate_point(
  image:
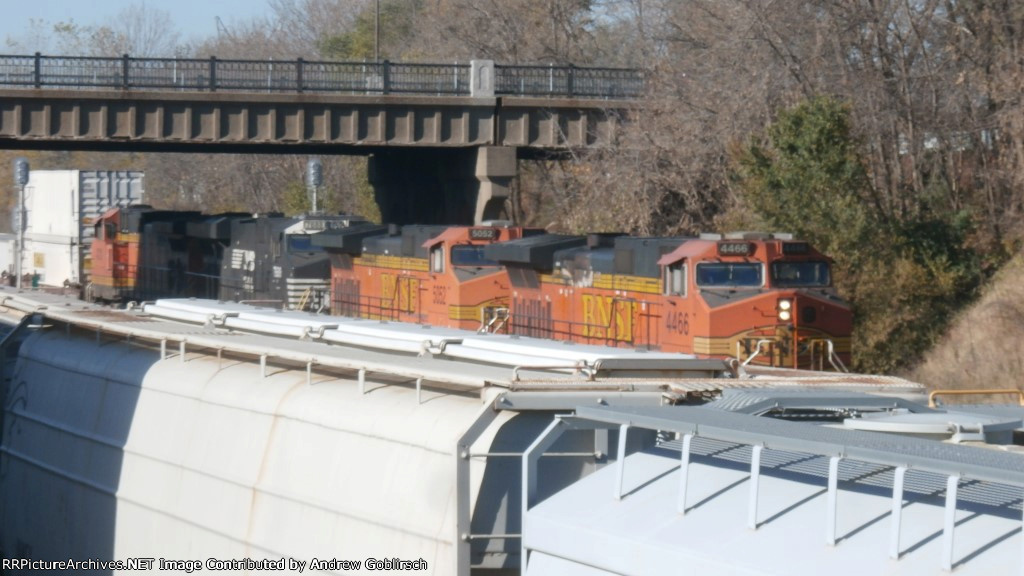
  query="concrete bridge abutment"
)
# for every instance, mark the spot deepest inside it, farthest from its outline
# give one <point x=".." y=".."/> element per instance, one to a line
<point x="443" y="185"/>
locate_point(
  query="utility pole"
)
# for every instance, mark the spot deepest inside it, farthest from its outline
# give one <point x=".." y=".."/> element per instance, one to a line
<point x="21" y="179"/>
<point x="376" y="34"/>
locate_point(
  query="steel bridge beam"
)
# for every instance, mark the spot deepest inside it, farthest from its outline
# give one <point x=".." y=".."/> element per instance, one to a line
<point x="300" y="123"/>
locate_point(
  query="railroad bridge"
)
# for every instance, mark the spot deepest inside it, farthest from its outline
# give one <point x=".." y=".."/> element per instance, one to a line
<point x="443" y="139"/>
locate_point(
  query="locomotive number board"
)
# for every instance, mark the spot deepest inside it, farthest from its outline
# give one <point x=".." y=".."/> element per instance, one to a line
<point x="483" y="233"/>
<point x="796" y="248"/>
<point x="735" y="248"/>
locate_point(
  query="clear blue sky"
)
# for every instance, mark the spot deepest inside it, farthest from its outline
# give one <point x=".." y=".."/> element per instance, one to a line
<point x="193" y="19"/>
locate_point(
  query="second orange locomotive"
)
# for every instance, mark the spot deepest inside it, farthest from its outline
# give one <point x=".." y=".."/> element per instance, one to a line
<point x="434" y="275"/>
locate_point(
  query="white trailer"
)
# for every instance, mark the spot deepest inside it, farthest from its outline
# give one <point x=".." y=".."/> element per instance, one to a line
<point x="61" y="207"/>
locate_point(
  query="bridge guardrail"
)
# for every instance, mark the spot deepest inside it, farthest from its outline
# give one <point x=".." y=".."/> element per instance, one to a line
<point x="569" y="81"/>
<point x="213" y="74"/>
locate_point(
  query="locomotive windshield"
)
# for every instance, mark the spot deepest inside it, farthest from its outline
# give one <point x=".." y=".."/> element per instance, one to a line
<point x="302" y="243"/>
<point x="796" y="274"/>
<point x="729" y="274"/>
<point x="466" y="255"/>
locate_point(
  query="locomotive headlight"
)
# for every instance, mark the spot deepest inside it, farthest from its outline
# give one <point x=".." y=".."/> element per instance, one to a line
<point x="785" y="309"/>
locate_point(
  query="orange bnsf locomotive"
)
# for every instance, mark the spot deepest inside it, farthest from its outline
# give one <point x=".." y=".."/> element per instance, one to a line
<point x="140" y="253"/>
<point x="763" y="297"/>
<point x="434" y="275"/>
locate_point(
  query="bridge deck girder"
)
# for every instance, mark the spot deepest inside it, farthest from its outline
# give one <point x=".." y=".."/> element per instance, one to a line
<point x="73" y="119"/>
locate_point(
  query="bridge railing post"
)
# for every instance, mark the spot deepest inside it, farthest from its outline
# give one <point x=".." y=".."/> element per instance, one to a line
<point x="385" y="75"/>
<point x="37" y="76"/>
<point x="298" y="74"/>
<point x="213" y="73"/>
<point x="124" y="72"/>
<point x="481" y="78"/>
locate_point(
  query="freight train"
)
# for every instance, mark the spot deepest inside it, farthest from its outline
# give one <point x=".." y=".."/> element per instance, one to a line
<point x="140" y="253"/>
<point x="761" y="298"/>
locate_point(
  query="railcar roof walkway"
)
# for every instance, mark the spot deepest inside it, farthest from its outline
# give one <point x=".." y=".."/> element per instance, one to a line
<point x="745" y="494"/>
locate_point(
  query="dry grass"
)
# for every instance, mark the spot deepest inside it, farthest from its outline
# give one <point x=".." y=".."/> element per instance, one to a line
<point x="984" y="348"/>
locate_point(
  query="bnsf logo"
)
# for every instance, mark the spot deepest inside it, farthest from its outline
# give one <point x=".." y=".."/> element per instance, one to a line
<point x="400" y="293"/>
<point x="608" y="318"/>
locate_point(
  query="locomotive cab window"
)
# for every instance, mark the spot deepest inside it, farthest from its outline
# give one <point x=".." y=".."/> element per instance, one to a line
<point x="302" y="243"/>
<point x="675" y="279"/>
<point x="468" y="255"/>
<point x="797" y="274"/>
<point x="437" y="259"/>
<point x="730" y="274"/>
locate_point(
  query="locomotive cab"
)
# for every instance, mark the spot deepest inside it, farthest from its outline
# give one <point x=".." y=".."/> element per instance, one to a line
<point x="468" y="289"/>
<point x="599" y="289"/>
<point x="761" y="298"/>
<point x="139" y="253"/>
<point x="433" y="275"/>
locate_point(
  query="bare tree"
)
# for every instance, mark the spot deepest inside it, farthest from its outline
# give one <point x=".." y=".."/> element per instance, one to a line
<point x="139" y="30"/>
<point x="512" y="31"/>
<point x="36" y="37"/>
<point x="144" y="31"/>
<point x="305" y="23"/>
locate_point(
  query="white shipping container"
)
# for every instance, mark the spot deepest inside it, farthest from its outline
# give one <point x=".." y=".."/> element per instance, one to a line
<point x="7" y="242"/>
<point x="61" y="208"/>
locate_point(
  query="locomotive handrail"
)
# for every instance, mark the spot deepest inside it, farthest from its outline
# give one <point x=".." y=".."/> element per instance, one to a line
<point x="829" y="352"/>
<point x="499" y="313"/>
<point x="377" y="307"/>
<point x="757" y="351"/>
<point x="833" y="358"/>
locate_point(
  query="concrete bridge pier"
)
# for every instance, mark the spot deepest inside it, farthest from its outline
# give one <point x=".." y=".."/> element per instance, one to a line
<point x="495" y="169"/>
<point x="442" y="185"/>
